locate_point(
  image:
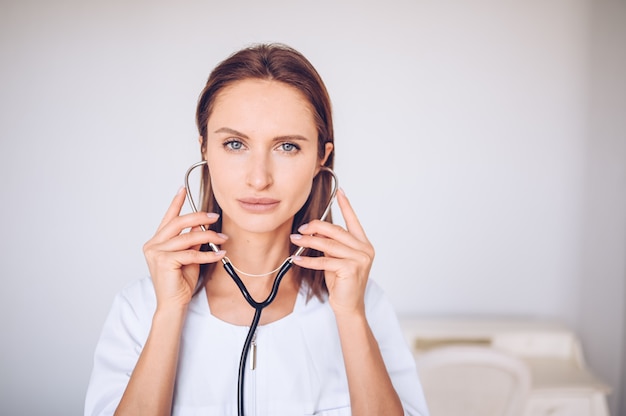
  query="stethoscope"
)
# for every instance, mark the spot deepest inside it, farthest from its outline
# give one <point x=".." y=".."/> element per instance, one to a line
<point x="258" y="306"/>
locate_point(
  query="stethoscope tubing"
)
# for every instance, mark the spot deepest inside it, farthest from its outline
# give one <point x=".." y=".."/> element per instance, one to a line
<point x="258" y="309"/>
<point x="258" y="306"/>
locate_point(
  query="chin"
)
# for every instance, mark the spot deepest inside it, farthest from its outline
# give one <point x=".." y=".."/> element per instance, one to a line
<point x="263" y="224"/>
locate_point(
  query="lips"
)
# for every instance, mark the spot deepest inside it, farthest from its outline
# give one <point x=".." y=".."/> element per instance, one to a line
<point x="258" y="205"/>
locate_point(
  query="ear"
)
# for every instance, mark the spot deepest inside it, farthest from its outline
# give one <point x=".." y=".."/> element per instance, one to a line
<point x="202" y="146"/>
<point x="327" y="151"/>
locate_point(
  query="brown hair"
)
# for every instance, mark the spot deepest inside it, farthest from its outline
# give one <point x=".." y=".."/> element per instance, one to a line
<point x="284" y="64"/>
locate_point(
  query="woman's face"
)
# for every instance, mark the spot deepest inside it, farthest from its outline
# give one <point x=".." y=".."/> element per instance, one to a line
<point x="261" y="151"/>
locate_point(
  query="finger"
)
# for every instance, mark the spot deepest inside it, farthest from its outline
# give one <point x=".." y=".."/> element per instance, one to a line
<point x="188" y="257"/>
<point x="333" y="232"/>
<point x="328" y="264"/>
<point x="200" y="230"/>
<point x="330" y="246"/>
<point x="174" y="209"/>
<point x="191" y="240"/>
<point x="179" y="223"/>
<point x="352" y="221"/>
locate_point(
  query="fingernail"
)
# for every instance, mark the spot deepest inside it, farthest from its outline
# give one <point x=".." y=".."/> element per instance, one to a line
<point x="296" y="236"/>
<point x="297" y="258"/>
<point x="180" y="190"/>
<point x="303" y="227"/>
<point x="220" y="253"/>
<point x="341" y="191"/>
<point x="212" y="215"/>
<point x="224" y="236"/>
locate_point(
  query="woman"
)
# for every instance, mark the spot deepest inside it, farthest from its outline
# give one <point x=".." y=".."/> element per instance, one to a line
<point x="329" y="344"/>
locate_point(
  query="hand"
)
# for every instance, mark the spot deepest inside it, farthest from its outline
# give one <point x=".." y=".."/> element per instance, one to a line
<point x="174" y="256"/>
<point x="347" y="260"/>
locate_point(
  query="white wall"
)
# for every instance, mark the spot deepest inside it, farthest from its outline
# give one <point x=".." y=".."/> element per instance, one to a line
<point x="468" y="138"/>
<point x="602" y="259"/>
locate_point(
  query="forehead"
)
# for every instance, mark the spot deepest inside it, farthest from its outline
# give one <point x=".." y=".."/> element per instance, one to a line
<point x="260" y="103"/>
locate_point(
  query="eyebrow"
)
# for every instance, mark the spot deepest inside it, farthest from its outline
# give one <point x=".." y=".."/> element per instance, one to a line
<point x="231" y="131"/>
<point x="291" y="137"/>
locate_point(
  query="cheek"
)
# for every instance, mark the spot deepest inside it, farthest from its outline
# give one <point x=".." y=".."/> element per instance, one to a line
<point x="301" y="191"/>
<point x="220" y="182"/>
<point x="304" y="194"/>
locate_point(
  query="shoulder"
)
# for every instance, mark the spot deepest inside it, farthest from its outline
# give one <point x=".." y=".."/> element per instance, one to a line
<point x="138" y="290"/>
<point x="137" y="298"/>
<point x="130" y="317"/>
<point x="121" y="340"/>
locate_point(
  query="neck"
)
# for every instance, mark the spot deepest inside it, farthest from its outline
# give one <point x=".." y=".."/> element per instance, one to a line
<point x="250" y="259"/>
<point x="257" y="254"/>
<point x="254" y="253"/>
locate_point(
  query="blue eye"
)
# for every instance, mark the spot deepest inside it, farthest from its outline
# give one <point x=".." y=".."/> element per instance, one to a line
<point x="234" y="145"/>
<point x="289" y="147"/>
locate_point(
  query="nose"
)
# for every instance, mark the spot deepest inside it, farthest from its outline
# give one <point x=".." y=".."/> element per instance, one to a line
<point x="259" y="172"/>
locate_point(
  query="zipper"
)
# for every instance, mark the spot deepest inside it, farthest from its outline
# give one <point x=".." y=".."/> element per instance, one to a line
<point x="253" y="353"/>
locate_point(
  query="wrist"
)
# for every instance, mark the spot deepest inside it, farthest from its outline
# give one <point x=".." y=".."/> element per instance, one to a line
<point x="169" y="314"/>
<point x="351" y="317"/>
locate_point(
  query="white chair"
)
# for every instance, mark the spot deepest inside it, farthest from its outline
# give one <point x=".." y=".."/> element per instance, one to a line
<point x="473" y="381"/>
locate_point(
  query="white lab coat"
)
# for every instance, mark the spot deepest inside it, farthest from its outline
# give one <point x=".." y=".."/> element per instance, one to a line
<point x="299" y="365"/>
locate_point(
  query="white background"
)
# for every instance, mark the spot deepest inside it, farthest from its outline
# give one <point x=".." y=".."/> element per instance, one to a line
<point x="482" y="144"/>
